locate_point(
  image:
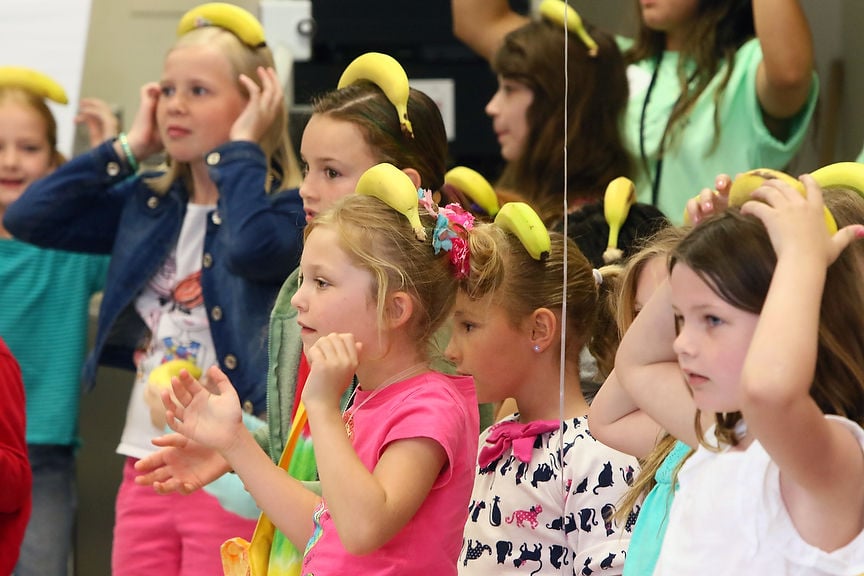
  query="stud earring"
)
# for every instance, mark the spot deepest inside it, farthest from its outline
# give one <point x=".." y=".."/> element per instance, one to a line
<point x="536" y="348"/>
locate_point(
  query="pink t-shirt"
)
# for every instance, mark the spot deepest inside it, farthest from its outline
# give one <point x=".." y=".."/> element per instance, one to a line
<point x="431" y="405"/>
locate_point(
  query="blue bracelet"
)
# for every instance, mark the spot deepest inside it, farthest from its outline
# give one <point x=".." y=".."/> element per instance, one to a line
<point x="127" y="151"/>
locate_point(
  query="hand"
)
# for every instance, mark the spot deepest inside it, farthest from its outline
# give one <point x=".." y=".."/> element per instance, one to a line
<point x="709" y="202"/>
<point x="333" y="360"/>
<point x="100" y="121"/>
<point x="143" y="136"/>
<point x="181" y="465"/>
<point x="263" y="106"/>
<point x="796" y="224"/>
<point x="213" y="419"/>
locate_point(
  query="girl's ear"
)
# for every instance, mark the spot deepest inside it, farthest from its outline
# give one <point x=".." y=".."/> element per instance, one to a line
<point x="400" y="308"/>
<point x="414" y="175"/>
<point x="544" y="329"/>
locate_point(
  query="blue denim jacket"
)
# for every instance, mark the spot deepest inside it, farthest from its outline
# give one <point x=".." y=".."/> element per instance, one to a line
<point x="253" y="242"/>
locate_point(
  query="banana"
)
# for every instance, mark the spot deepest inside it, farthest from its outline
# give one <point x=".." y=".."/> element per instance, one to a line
<point x="227" y="16"/>
<point x="560" y="13"/>
<point x="162" y="374"/>
<point x="385" y="72"/>
<point x="841" y="175"/>
<point x="34" y="82"/>
<point x="745" y="183"/>
<point x="519" y="219"/>
<point x="393" y="187"/>
<point x="473" y="185"/>
<point x="620" y="196"/>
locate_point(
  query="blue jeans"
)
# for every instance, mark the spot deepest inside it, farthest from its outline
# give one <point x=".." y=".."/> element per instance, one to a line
<point x="48" y="540"/>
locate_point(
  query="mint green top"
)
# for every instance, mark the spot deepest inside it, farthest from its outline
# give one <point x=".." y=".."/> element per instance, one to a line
<point x="860" y="156"/>
<point x="44" y="318"/>
<point x="690" y="163"/>
<point x="654" y="515"/>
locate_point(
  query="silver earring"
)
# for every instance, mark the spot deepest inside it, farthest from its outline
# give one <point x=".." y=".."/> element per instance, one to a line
<point x="536" y="348"/>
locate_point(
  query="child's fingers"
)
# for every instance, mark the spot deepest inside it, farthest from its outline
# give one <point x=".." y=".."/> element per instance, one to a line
<point x="843" y="238"/>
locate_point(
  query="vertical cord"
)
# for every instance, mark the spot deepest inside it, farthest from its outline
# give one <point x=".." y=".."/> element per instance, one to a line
<point x="563" y="359"/>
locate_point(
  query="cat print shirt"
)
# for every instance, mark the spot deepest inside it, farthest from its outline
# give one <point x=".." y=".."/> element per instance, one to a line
<point x="546" y="506"/>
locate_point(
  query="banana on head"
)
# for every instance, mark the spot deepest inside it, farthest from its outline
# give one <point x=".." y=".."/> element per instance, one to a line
<point x="385" y="72"/>
<point x="519" y="219"/>
<point x="619" y="197"/>
<point x="841" y="175"/>
<point x="34" y="82"/>
<point x="745" y="183"/>
<point x="473" y="185"/>
<point x="561" y="13"/>
<point x="393" y="187"/>
<point x="229" y="17"/>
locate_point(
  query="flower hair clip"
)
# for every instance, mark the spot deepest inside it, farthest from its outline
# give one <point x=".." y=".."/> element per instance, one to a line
<point x="448" y="221"/>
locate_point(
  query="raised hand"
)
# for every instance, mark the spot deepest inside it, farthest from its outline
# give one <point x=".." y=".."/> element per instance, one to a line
<point x="181" y="465"/>
<point x="333" y="361"/>
<point x="796" y="223"/>
<point x="143" y="136"/>
<point x="99" y="119"/>
<point x="212" y="419"/>
<point x="708" y="201"/>
<point x="263" y="106"/>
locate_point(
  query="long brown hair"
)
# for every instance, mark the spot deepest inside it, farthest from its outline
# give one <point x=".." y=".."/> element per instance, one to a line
<point x="718" y="30"/>
<point x="732" y="253"/>
<point x="596" y="98"/>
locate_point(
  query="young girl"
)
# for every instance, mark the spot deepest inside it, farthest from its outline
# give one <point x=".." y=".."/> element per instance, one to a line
<point x="541" y="500"/>
<point x="45" y="302"/>
<point x="366" y="127"/>
<point x="529" y="109"/>
<point x="199" y="252"/>
<point x="775" y="484"/>
<point x="397" y="469"/>
<point x="616" y="421"/>
<point x="701" y="83"/>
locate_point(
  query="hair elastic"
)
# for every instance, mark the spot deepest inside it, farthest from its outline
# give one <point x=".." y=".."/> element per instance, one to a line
<point x="449" y="220"/>
<point x="127" y="151"/>
<point x="598" y="276"/>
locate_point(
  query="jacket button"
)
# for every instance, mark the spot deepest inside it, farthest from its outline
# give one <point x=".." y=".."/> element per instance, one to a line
<point x="207" y="260"/>
<point x="113" y="168"/>
<point x="152" y="202"/>
<point x="248" y="407"/>
<point x="216" y="218"/>
<point x="230" y="361"/>
<point x="213" y="158"/>
<point x="216" y="313"/>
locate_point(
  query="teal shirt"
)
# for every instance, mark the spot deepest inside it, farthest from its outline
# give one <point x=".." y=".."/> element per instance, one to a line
<point x="650" y="527"/>
<point x="690" y="163"/>
<point x="44" y="318"/>
<point x="860" y="156"/>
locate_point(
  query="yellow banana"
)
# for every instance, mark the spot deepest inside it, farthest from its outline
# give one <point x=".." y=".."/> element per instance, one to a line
<point x="162" y="374"/>
<point x="562" y="14"/>
<point x="841" y="175"/>
<point x="393" y="187"/>
<point x="522" y="221"/>
<point x="385" y="72"/>
<point x="472" y="184"/>
<point x="33" y="81"/>
<point x="620" y="196"/>
<point x="227" y="16"/>
<point x="745" y="183"/>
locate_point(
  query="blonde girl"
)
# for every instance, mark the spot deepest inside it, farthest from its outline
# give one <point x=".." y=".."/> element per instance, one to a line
<point x="397" y="470"/>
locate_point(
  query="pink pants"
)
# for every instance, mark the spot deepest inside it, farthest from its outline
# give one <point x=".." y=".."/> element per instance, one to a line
<point x="170" y="535"/>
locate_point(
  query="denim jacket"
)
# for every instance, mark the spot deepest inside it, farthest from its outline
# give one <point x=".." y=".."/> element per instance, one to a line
<point x="253" y="242"/>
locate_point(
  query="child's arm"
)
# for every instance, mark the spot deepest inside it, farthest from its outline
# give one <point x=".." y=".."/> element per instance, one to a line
<point x="368" y="508"/>
<point x="483" y="24"/>
<point x="215" y="420"/>
<point x="617" y="421"/>
<point x="647" y="369"/>
<point x="784" y="77"/>
<point x="821" y="463"/>
<point x="99" y="119"/>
